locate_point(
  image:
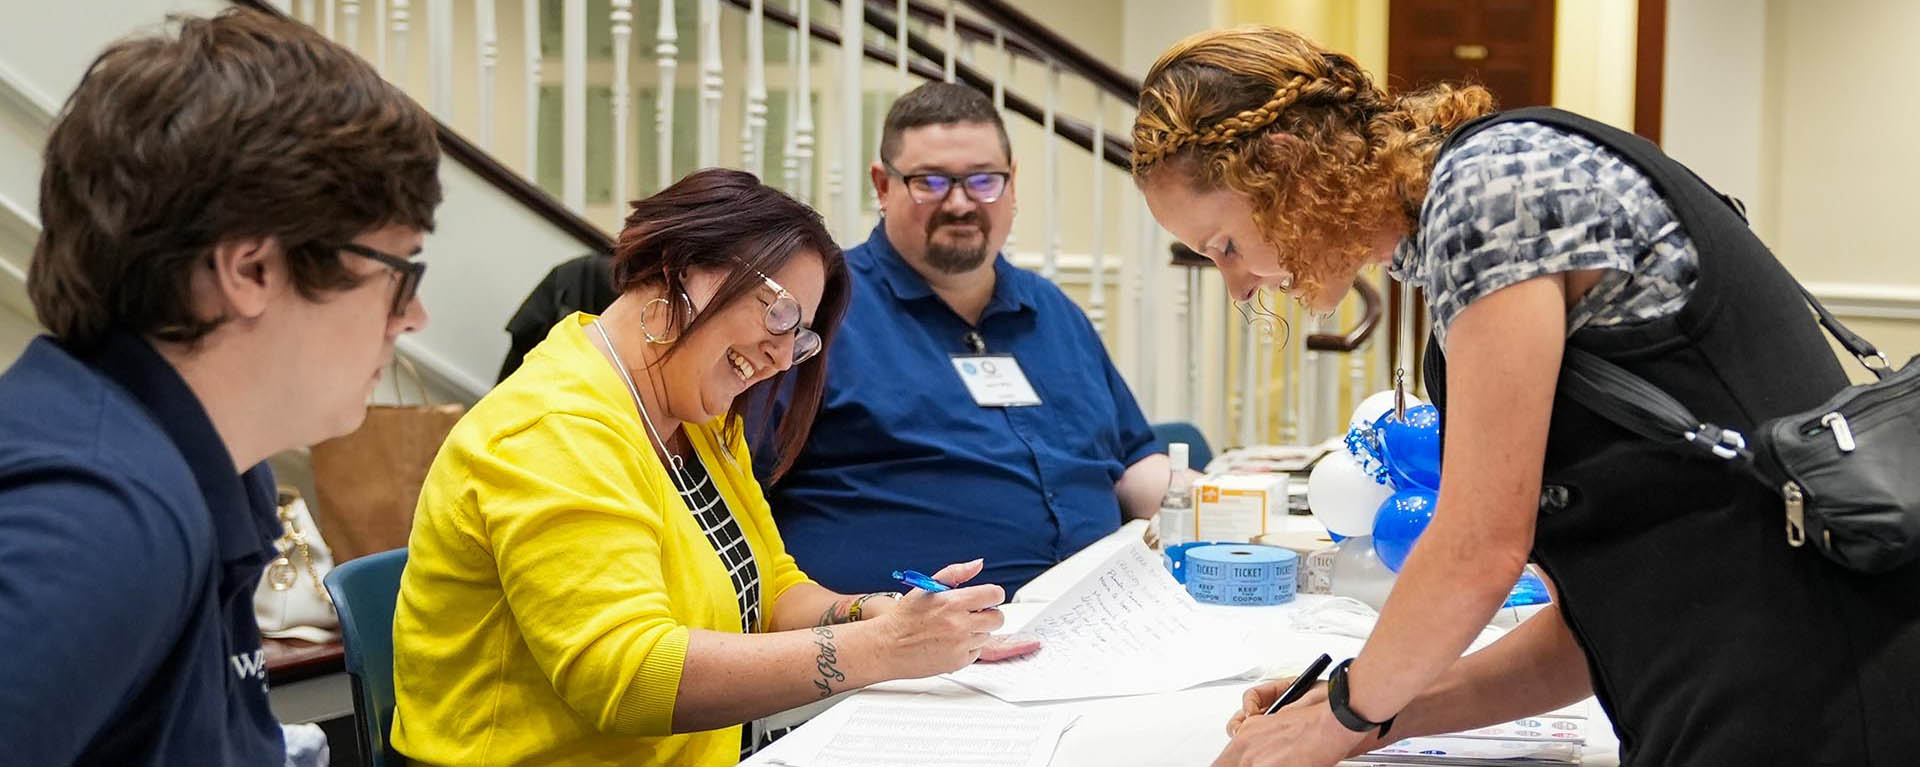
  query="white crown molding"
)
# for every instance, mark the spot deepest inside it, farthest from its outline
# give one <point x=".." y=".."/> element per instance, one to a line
<point x="19" y="96"/>
<point x="1869" y="300"/>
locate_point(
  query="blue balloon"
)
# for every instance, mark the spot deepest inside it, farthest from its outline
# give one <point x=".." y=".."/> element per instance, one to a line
<point x="1399" y="523"/>
<point x="1411" y="448"/>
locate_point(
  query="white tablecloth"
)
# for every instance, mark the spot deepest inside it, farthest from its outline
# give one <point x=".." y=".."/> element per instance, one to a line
<point x="1181" y="728"/>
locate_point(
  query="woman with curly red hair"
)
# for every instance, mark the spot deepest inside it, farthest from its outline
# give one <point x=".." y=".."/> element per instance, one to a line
<point x="1705" y="636"/>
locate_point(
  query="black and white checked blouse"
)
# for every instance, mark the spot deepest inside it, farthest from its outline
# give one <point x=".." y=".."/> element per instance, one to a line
<point x="1521" y="200"/>
<point x="723" y="531"/>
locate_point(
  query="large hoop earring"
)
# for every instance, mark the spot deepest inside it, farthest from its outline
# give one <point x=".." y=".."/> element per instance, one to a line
<point x="648" y="332"/>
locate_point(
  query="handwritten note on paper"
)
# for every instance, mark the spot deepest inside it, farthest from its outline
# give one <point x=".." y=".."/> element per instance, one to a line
<point x="1127" y="628"/>
<point x="878" y="735"/>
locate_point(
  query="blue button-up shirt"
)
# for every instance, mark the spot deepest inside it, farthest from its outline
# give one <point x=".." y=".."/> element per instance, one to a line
<point x="903" y="470"/>
<point x="129" y="553"/>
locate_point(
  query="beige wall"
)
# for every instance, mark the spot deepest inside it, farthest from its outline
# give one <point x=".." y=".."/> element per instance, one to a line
<point x="1593" y="44"/>
<point x="1802" y="109"/>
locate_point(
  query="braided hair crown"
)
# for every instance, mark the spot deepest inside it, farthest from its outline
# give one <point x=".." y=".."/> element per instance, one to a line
<point x="1218" y="87"/>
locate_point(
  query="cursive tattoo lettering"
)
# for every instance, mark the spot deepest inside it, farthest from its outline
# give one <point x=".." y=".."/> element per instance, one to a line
<point x="826" y="662"/>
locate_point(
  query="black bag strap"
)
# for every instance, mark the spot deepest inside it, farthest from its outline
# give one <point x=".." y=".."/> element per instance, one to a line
<point x="1641" y="407"/>
<point x="1637" y="405"/>
<point x="1861" y="348"/>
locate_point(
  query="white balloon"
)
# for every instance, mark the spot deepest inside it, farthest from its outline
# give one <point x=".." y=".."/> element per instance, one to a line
<point x="1374" y="406"/>
<point x="1344" y="496"/>
<point x="1359" y="573"/>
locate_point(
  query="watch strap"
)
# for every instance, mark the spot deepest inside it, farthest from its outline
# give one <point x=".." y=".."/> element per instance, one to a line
<point x="1338" y="693"/>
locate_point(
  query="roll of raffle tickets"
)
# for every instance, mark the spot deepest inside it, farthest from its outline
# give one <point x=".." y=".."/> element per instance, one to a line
<point x="1241" y="574"/>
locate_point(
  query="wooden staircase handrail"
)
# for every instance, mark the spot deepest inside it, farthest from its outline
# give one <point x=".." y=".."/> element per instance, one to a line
<point x="497" y="175"/>
<point x="963" y="26"/>
<point x="1117" y="152"/>
<point x="1073" y="57"/>
<point x="1347" y="341"/>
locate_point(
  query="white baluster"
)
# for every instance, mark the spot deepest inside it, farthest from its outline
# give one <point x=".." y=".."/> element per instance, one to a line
<point x="380" y="35"/>
<point x="1356" y="376"/>
<point x="326" y="19"/>
<point x="710" y="84"/>
<point x="1326" y="384"/>
<point x="351" y="9"/>
<point x="303" y="10"/>
<point x="953" y="41"/>
<point x="1097" y="292"/>
<point x="789" y="166"/>
<point x="1196" y="341"/>
<point x="621" y="15"/>
<point x="803" y="117"/>
<point x="1050" y="268"/>
<point x="440" y="57"/>
<point x="852" y="20"/>
<point x="1006" y="69"/>
<point x="753" y="135"/>
<point x="1299" y="403"/>
<point x="489" y="55"/>
<point x="666" y="49"/>
<point x="900" y="41"/>
<point x="530" y="36"/>
<point x="400" y="19"/>
<point x="1145" y="317"/>
<point x="1222" y="420"/>
<point x="1260" y="363"/>
<point x="1249" y="351"/>
<point x="573" y="103"/>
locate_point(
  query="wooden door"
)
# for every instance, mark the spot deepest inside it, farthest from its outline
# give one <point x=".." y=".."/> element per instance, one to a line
<point x="1505" y="45"/>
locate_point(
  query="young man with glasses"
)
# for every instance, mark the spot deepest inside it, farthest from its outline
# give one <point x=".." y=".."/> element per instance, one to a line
<point x="971" y="410"/>
<point x="231" y="213"/>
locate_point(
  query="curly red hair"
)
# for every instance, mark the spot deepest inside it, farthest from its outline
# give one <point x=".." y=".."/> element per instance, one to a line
<point x="1324" y="156"/>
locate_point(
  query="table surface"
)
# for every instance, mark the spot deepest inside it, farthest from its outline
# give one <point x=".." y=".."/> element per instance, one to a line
<point x="1179" y="728"/>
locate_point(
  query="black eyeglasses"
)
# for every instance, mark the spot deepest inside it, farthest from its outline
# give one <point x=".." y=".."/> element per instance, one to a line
<point x="928" y="188"/>
<point x="409" y="271"/>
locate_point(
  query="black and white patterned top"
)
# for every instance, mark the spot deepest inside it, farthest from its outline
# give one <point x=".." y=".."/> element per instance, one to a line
<point x="723" y="531"/>
<point x="1521" y="200"/>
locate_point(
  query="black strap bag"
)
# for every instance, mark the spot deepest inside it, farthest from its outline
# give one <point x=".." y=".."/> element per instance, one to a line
<point x="1848" y="471"/>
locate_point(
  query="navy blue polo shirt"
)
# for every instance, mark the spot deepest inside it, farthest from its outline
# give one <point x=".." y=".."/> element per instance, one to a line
<point x="129" y="552"/>
<point x="903" y="469"/>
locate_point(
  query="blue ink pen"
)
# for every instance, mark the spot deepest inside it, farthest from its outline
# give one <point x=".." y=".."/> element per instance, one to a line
<point x="912" y="579"/>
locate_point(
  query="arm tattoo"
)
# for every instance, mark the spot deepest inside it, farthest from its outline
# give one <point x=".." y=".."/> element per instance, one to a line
<point x="837" y="613"/>
<point x="827" y="662"/>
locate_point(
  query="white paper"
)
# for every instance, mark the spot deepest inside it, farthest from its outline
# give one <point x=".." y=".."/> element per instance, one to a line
<point x="1055" y="582"/>
<point x="879" y="735"/>
<point x="1126" y="629"/>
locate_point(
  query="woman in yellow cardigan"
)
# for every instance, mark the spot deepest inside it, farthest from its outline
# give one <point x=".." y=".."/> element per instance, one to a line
<point x="594" y="577"/>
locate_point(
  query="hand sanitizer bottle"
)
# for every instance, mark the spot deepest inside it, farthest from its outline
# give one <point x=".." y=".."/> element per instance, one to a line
<point x="1176" y="507"/>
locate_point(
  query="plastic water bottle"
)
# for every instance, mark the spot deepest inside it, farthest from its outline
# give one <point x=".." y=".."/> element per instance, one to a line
<point x="1176" y="507"/>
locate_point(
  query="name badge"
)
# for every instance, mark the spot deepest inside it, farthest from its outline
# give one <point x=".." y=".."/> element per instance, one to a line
<point x="995" y="380"/>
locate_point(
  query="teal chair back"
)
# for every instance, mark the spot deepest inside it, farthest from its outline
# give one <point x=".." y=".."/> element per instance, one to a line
<point x="364" y="591"/>
<point x="1181" y="431"/>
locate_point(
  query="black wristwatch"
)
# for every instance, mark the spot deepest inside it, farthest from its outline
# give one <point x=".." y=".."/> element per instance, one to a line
<point x="1337" y="693"/>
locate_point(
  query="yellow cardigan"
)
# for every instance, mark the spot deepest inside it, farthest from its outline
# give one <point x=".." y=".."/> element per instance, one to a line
<point x="553" y="575"/>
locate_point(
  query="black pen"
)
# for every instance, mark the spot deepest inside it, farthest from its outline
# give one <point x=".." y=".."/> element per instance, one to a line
<point x="1302" y="683"/>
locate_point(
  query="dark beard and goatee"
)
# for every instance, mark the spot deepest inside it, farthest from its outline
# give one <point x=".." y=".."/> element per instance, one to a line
<point x="954" y="258"/>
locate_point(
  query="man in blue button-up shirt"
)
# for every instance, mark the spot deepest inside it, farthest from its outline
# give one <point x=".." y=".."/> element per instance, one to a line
<point x="228" y="210"/>
<point x="905" y="468"/>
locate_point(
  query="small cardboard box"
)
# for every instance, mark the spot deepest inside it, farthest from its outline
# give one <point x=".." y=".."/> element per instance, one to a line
<point x="1233" y="507"/>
